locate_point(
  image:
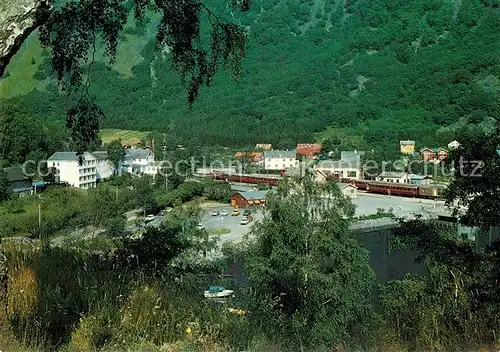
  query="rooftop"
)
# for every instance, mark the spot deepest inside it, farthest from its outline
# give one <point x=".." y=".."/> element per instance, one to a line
<point x="69" y="156"/>
<point x="308" y="149"/>
<point x="300" y="170"/>
<point x="280" y="154"/>
<point x="338" y="164"/>
<point x="250" y="195"/>
<point x="253" y="155"/>
<point x="419" y="177"/>
<point x="407" y="142"/>
<point x="15" y="173"/>
<point x="345" y="185"/>
<point x="393" y="174"/>
<point x="138" y="153"/>
<point x="351" y="155"/>
<point x="100" y="155"/>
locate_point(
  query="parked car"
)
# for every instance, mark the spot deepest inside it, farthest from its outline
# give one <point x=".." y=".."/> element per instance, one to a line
<point x="215" y="212"/>
<point x="247" y="212"/>
<point x="244" y="221"/>
<point x="235" y="212"/>
<point x="224" y="213"/>
<point x="199" y="226"/>
<point x="149" y="218"/>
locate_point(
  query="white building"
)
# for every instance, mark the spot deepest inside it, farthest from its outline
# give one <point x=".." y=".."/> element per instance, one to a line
<point x="395" y="177"/>
<point x="349" y="190"/>
<point x="139" y="162"/>
<point x="280" y="159"/>
<point x="453" y="145"/>
<point x="341" y="169"/>
<point x="105" y="168"/>
<point x="69" y="170"/>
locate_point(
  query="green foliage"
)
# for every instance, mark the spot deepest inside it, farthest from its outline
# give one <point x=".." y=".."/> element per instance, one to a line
<point x="183" y="193"/>
<point x="144" y="193"/>
<point x="155" y="249"/>
<point x="218" y="191"/>
<point x="475" y="183"/>
<point x="304" y="289"/>
<point x="425" y="73"/>
<point x="116" y="153"/>
<point x="455" y="300"/>
<point x="4" y="186"/>
<point x="25" y="136"/>
<point x="115" y="226"/>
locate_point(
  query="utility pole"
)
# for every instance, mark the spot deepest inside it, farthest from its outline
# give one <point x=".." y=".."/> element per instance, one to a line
<point x="166" y="182"/>
<point x="40" y="220"/>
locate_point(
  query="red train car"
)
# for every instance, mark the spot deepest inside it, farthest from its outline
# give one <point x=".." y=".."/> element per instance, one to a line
<point x="253" y="179"/>
<point x="394" y="189"/>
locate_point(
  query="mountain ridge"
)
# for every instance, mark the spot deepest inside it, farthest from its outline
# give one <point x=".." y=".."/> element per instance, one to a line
<point x="363" y="67"/>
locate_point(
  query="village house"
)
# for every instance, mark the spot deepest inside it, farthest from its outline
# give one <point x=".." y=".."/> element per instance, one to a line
<point x="19" y="183"/>
<point x="68" y="169"/>
<point x="435" y="155"/>
<point x="280" y="159"/>
<point x="251" y="157"/>
<point x="407" y="147"/>
<point x="395" y="177"/>
<point x="453" y="145"/>
<point x="309" y="150"/>
<point x="299" y="171"/>
<point x="348" y="190"/>
<point x="263" y="146"/>
<point x="420" y="179"/>
<point x="139" y="162"/>
<point x="249" y="198"/>
<point x="340" y="169"/>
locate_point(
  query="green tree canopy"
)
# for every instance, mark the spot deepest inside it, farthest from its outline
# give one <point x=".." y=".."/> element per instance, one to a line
<point x="311" y="280"/>
<point x="116" y="153"/>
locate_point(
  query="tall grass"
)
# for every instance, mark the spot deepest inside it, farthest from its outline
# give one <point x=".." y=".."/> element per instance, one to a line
<point x="77" y="301"/>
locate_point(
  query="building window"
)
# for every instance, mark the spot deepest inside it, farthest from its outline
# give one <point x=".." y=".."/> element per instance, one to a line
<point x="352" y="174"/>
<point x="397" y="181"/>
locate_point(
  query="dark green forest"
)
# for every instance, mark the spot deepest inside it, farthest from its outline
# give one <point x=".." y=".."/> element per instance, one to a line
<point x="365" y="72"/>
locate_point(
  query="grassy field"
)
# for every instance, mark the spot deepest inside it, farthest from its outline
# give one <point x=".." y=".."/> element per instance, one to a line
<point x="126" y="136"/>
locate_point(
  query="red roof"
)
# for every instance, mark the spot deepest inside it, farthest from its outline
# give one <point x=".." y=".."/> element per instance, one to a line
<point x="256" y="156"/>
<point x="308" y="149"/>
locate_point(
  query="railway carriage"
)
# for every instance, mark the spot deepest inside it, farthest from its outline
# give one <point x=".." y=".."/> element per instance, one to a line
<point x="387" y="188"/>
<point x="431" y="191"/>
<point x="393" y="189"/>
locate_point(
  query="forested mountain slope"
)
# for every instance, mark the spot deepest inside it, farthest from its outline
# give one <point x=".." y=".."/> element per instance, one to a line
<point x="374" y="70"/>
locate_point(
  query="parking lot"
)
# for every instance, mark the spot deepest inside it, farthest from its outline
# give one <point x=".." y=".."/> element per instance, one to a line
<point x="232" y="223"/>
<point x="366" y="203"/>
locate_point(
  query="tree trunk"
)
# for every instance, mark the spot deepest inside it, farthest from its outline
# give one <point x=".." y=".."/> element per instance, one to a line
<point x="18" y="19"/>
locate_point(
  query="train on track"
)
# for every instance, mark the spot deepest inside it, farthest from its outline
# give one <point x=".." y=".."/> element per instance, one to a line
<point x="271" y="180"/>
<point x="388" y="188"/>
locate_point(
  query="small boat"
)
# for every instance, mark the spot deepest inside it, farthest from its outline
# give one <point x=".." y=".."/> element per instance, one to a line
<point x="217" y="292"/>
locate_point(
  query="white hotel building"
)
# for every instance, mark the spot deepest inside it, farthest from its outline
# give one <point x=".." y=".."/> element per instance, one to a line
<point x="70" y="171"/>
